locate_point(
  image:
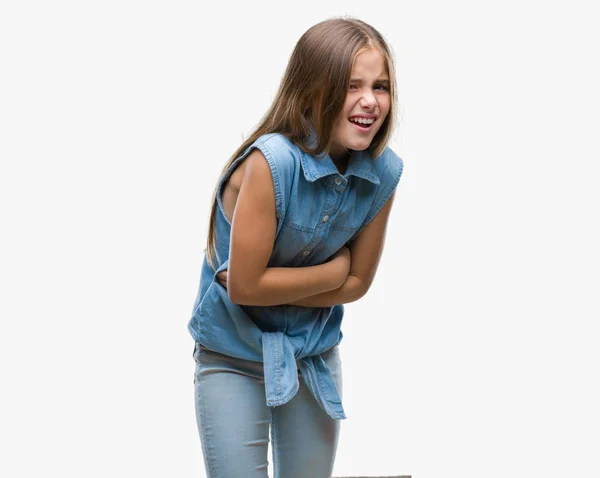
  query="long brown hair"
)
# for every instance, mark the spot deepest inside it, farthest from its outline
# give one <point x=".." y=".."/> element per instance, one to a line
<point x="313" y="91"/>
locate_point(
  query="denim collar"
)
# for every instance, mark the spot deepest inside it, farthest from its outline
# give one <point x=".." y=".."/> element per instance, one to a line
<point x="316" y="167"/>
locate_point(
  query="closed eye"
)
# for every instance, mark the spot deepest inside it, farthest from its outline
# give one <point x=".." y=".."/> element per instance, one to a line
<point x="376" y="87"/>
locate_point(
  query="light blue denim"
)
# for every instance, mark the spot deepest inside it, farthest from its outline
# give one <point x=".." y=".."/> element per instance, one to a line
<point x="234" y="421"/>
<point x="318" y="211"/>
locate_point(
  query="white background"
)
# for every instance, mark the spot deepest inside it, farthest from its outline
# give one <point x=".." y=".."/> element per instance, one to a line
<point x="475" y="353"/>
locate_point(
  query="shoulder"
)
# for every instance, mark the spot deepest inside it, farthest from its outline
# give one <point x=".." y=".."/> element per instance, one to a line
<point x="282" y="155"/>
<point x="389" y="166"/>
<point x="282" y="164"/>
<point x="277" y="144"/>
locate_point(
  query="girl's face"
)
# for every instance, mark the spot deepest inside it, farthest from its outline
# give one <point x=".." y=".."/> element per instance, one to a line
<point x="366" y="106"/>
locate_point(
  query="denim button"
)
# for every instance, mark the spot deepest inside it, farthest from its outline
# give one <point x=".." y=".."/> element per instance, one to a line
<point x="325" y="217"/>
<point x="338" y="181"/>
<point x="306" y="253"/>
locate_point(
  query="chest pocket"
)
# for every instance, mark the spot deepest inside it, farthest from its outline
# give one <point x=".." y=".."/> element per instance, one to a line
<point x="306" y="203"/>
<point x="321" y="218"/>
<point x="346" y="223"/>
<point x="293" y="239"/>
<point x="350" y="216"/>
<point x="354" y="208"/>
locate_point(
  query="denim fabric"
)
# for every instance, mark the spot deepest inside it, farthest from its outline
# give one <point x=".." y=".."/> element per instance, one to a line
<point x="234" y="421"/>
<point x="318" y="211"/>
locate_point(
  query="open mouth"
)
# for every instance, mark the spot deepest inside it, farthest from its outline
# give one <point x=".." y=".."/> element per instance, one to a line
<point x="363" y="124"/>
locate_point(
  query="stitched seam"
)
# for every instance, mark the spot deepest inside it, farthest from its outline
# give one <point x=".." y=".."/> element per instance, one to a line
<point x="319" y="393"/>
<point x="278" y="371"/>
<point x="226" y="176"/>
<point x="276" y="182"/>
<point x="369" y="177"/>
<point x="273" y="438"/>
<point x="313" y="176"/>
<point x="345" y="228"/>
<point x="210" y="462"/>
<point x="282" y="400"/>
<point x="321" y="383"/>
<point x="387" y="195"/>
<point x="298" y="227"/>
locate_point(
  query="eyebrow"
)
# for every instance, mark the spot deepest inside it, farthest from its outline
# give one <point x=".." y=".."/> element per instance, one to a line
<point x="379" y="80"/>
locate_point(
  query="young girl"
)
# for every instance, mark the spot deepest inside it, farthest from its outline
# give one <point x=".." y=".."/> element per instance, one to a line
<point x="296" y="230"/>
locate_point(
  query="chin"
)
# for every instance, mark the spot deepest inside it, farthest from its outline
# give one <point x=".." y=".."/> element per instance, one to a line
<point x="359" y="145"/>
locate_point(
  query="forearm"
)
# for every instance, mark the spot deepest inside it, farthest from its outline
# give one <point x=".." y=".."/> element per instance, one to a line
<point x="284" y="285"/>
<point x="351" y="290"/>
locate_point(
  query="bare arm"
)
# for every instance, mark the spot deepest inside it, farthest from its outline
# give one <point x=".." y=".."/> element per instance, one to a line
<point x="366" y="250"/>
<point x="253" y="227"/>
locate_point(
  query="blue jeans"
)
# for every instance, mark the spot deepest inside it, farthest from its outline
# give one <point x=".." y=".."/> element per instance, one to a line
<point x="234" y="421"/>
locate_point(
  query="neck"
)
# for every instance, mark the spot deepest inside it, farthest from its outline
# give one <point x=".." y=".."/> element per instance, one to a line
<point x="340" y="158"/>
<point x="341" y="163"/>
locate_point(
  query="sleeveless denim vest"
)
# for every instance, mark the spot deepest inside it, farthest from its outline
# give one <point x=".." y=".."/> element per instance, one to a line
<point x="318" y="211"/>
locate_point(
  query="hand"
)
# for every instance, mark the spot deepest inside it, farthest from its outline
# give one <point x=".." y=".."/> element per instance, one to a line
<point x="222" y="278"/>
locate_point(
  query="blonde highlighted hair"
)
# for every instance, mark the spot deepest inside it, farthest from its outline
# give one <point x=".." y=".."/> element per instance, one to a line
<point x="312" y="93"/>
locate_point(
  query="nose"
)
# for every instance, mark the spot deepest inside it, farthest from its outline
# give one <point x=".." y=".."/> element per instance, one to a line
<point x="368" y="99"/>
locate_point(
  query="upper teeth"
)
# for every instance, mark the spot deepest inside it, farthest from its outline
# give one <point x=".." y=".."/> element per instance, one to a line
<point x="362" y="120"/>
